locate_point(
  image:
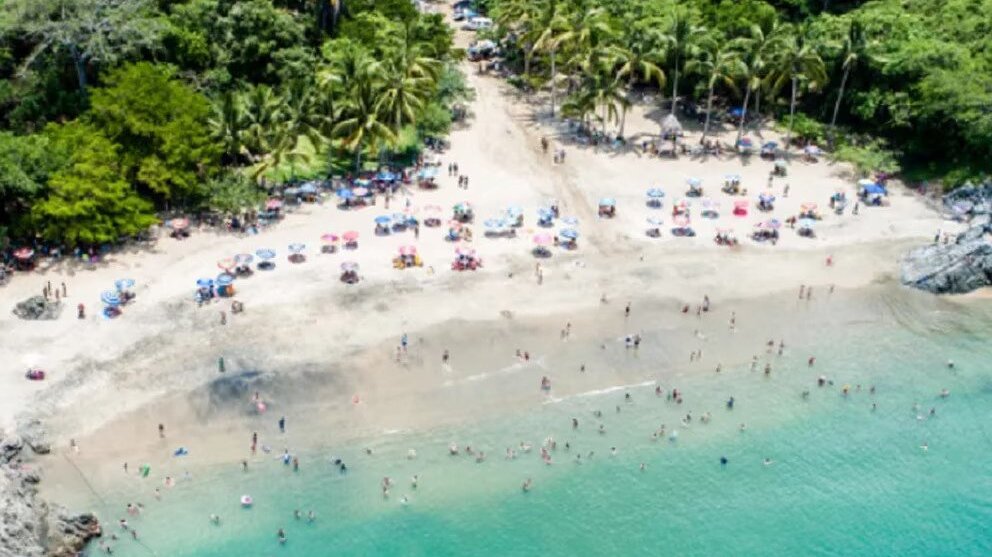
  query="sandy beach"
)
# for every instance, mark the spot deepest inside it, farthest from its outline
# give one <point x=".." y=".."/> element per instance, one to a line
<point x="326" y="350"/>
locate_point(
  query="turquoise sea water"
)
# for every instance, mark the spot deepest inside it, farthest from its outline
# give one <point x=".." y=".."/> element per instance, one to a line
<point x="844" y="479"/>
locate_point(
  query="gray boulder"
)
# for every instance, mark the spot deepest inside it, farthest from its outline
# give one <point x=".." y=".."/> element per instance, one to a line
<point x="37" y="307"/>
<point x="956" y="268"/>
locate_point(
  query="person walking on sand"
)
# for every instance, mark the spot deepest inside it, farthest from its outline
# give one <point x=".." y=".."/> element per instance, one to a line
<point x="220" y="364"/>
<point x="282" y="424"/>
<point x="445" y="356"/>
<point x="626" y="311"/>
<point x="161" y="431"/>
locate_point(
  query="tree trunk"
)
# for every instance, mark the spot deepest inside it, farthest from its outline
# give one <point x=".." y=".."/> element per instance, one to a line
<point x="77" y="59"/>
<point x="740" y="128"/>
<point x="554" y="85"/>
<point x="792" y="115"/>
<point x="358" y="159"/>
<point x="335" y="14"/>
<point x="623" y="120"/>
<point x="527" y="55"/>
<point x="840" y="96"/>
<point x="709" y="107"/>
<point x="675" y="86"/>
<point x="757" y="107"/>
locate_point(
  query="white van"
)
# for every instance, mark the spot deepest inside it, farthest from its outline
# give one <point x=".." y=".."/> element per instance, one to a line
<point x="478" y="24"/>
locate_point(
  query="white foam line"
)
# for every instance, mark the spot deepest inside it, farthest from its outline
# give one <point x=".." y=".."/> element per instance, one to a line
<point x="512" y="368"/>
<point x="607" y="390"/>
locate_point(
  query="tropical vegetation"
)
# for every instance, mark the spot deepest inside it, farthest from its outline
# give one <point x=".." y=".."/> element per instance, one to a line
<point x="904" y="82"/>
<point x="115" y="111"/>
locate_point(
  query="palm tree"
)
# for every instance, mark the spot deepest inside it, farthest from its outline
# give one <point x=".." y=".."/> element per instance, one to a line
<point x="681" y="38"/>
<point x="263" y="111"/>
<point x="409" y="79"/>
<point x="754" y="50"/>
<point x="227" y="124"/>
<point x="854" y="48"/>
<point x="552" y="25"/>
<point x="362" y="124"/>
<point x="796" y="59"/>
<point x="521" y="19"/>
<point x="719" y="63"/>
<point x="641" y="54"/>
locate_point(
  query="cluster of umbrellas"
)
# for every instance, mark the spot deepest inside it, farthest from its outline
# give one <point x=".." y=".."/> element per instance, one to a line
<point x="114" y="298"/>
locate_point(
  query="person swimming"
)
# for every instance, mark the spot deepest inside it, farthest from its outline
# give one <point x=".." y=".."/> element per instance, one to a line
<point x="723" y="461"/>
<point x="730" y="403"/>
<point x="215" y="519"/>
<point x="281" y="535"/>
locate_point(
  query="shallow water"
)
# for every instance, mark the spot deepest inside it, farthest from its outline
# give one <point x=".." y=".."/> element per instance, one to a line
<point x="844" y="479"/>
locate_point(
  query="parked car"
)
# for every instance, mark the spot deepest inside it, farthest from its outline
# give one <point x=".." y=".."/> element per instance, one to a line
<point x="478" y="24"/>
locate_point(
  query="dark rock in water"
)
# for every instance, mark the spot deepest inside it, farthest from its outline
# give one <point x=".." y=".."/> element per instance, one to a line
<point x="29" y="527"/>
<point x="34" y="435"/>
<point x="956" y="268"/>
<point x="37" y="307"/>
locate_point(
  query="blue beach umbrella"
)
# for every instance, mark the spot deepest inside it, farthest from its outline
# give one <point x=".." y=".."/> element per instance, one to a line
<point x="875" y="189"/>
<point x="766" y="198"/>
<point x="607" y="202"/>
<point x="655" y="221"/>
<point x="694" y="182"/>
<point x="243" y="258"/>
<point x="385" y="176"/>
<point x="110" y="298"/>
<point x="265" y="254"/>
<point x="224" y="279"/>
<point x="123" y="284"/>
<point x="545" y="214"/>
<point x="205" y="282"/>
<point x="494" y="224"/>
<point x="736" y="112"/>
<point x="308" y="188"/>
<point x="345" y="193"/>
<point x="514" y="211"/>
<point x="732" y="177"/>
<point x="297" y="248"/>
<point x="383" y="220"/>
<point x="806" y="223"/>
<point x="363" y="182"/>
<point x="769" y="145"/>
<point x="656" y="193"/>
<point x="400" y="218"/>
<point x="569" y="233"/>
<point x="571" y="221"/>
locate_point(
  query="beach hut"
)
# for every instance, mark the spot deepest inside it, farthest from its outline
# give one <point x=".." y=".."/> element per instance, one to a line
<point x="608" y="207"/>
<point x="811" y="153"/>
<point x="745" y="146"/>
<point x="426" y="177"/>
<point x="671" y="128"/>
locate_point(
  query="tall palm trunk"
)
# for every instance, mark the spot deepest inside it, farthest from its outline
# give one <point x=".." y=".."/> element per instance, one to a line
<point x="757" y="107"/>
<point x="77" y="60"/>
<point x="840" y="96"/>
<point x="709" y="107"/>
<point x="528" y="53"/>
<point x="554" y="85"/>
<point x="675" y="86"/>
<point x="623" y="120"/>
<point x="740" y="128"/>
<point x="792" y="114"/>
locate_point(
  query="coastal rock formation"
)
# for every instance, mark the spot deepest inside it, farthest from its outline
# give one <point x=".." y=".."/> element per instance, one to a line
<point x="37" y="307"/>
<point x="955" y="268"/>
<point x="29" y="527"/>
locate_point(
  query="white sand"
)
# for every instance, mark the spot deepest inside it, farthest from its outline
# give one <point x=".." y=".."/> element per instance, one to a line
<point x="302" y="315"/>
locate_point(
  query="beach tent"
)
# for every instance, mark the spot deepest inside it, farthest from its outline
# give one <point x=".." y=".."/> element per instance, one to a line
<point x="671" y="125"/>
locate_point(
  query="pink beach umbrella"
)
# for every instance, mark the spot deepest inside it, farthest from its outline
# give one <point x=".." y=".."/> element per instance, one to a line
<point x="465" y="252"/>
<point x="681" y="221"/>
<point x="350" y="236"/>
<point x="408" y="250"/>
<point x="179" y="224"/>
<point x="227" y="263"/>
<point x="273" y="204"/>
<point x="360" y="192"/>
<point x="349" y="266"/>
<point x="329" y="238"/>
<point x="543" y="239"/>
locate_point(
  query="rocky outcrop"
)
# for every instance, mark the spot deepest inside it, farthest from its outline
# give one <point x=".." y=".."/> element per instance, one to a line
<point x="30" y="527"/>
<point x="37" y="307"/>
<point x="956" y="268"/>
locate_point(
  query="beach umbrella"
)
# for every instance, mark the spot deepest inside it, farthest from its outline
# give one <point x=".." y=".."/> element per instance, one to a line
<point x="875" y="189"/>
<point x="543" y="239"/>
<point x="454" y="224"/>
<point x="345" y="193"/>
<point x="694" y="182"/>
<point x="544" y="213"/>
<point x="110" y="298"/>
<point x="23" y="253"/>
<point x="494" y="224"/>
<point x="360" y="192"/>
<point x="244" y="258"/>
<point x="383" y="220"/>
<point x="427" y="173"/>
<point x="297" y="248"/>
<point x="291" y="192"/>
<point x="570" y="220"/>
<point x="308" y="188"/>
<point x="655" y="221"/>
<point x="179" y="224"/>
<point x="569" y="233"/>
<point x="227" y="263"/>
<point x="329" y="238"/>
<point x="408" y="250"/>
<point x="808" y="206"/>
<point x="349" y="266"/>
<point x="865" y="182"/>
<point x="770" y="145"/>
<point x="350" y="236"/>
<point x="681" y="221"/>
<point x="123" y="284"/>
<point x="656" y="193"/>
<point x="273" y="204"/>
<point x="265" y="254"/>
<point x="434" y="209"/>
<point x="465" y="252"/>
<point x="732" y="177"/>
<point x="363" y="182"/>
<point x="399" y="218"/>
<point x="514" y="211"/>
<point x="766" y="197"/>
<point x="462" y="207"/>
<point x="774" y="224"/>
<point x="607" y="202"/>
<point x="812" y="150"/>
<point x="736" y="111"/>
<point x="205" y="282"/>
<point x="806" y="223"/>
<point x="385" y="176"/>
<point x="224" y="279"/>
<point x="745" y="142"/>
<point x="710" y="203"/>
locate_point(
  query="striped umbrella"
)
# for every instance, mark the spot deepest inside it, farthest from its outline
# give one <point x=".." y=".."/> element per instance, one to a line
<point x="110" y="298"/>
<point x="123" y="284"/>
<point x="265" y="254"/>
